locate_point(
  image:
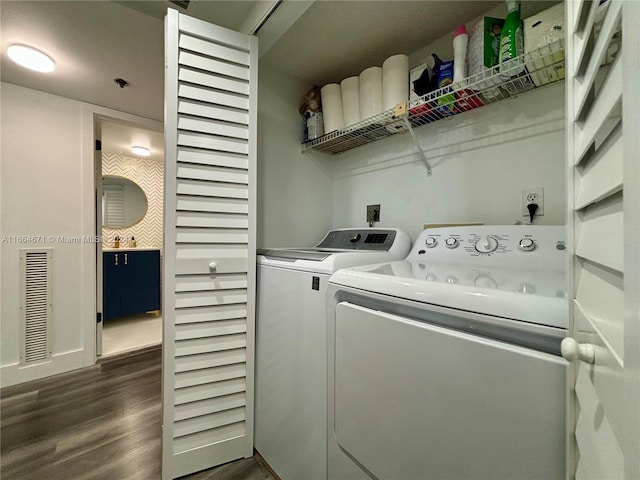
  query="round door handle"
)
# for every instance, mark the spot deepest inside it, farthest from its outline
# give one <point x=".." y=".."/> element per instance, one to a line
<point x="573" y="351"/>
<point x="212" y="266"/>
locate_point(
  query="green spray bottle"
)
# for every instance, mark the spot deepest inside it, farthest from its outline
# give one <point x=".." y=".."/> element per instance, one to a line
<point x="511" y="41"/>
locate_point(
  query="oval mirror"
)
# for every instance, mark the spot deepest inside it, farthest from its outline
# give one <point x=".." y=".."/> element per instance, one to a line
<point x="123" y="202"/>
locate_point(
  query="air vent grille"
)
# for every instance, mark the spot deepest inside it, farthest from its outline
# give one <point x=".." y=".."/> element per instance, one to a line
<point x="36" y="304"/>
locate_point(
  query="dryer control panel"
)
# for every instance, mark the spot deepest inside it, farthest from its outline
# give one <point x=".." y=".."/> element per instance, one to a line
<point x="359" y="239"/>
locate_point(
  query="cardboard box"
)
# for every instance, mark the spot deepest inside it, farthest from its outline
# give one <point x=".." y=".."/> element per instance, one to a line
<point x="484" y="43"/>
<point x="545" y="31"/>
<point x="415" y="74"/>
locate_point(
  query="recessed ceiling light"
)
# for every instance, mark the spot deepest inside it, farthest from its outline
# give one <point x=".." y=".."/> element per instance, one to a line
<point x="142" y="151"/>
<point x="31" y="58"/>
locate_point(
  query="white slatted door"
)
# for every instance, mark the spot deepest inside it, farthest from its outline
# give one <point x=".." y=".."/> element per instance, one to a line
<point x="209" y="245"/>
<point x="603" y="148"/>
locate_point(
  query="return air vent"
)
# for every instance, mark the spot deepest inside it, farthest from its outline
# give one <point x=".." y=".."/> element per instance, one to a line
<point x="35" y="304"/>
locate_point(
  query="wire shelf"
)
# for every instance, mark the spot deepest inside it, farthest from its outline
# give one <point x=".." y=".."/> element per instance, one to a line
<point x="535" y="69"/>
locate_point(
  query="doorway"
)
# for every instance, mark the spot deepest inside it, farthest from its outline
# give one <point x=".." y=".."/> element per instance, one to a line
<point x="129" y="177"/>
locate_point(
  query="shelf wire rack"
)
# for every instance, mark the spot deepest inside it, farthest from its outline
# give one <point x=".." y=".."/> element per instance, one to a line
<point x="534" y="69"/>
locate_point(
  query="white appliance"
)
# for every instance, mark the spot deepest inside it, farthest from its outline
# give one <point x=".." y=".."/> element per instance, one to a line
<point x="291" y="353"/>
<point x="447" y="365"/>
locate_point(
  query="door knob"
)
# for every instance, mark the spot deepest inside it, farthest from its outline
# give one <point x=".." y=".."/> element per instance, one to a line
<point x="573" y="351"/>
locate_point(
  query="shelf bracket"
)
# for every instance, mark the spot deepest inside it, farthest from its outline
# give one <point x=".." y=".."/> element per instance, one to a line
<point x="417" y="144"/>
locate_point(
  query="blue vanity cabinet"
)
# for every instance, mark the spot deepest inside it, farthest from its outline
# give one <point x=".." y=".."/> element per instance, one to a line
<point x="131" y="282"/>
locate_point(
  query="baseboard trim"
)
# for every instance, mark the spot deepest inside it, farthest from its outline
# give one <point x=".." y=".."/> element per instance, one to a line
<point x="129" y="353"/>
<point x="264" y="463"/>
<point x="14" y="374"/>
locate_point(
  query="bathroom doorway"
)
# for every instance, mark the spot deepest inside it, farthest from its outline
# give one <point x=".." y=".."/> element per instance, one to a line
<point x="129" y="178"/>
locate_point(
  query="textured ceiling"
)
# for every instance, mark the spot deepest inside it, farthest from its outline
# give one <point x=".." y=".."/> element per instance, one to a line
<point x="95" y="41"/>
<point x="337" y="39"/>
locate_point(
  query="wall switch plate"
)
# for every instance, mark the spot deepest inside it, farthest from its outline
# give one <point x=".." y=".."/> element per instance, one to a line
<point x="373" y="213"/>
<point x="533" y="195"/>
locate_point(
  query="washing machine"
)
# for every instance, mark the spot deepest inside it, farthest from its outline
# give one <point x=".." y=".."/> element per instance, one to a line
<point x="291" y="347"/>
<point x="447" y="365"/>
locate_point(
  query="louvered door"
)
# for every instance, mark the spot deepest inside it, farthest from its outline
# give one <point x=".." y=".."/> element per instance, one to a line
<point x="603" y="132"/>
<point x="209" y="245"/>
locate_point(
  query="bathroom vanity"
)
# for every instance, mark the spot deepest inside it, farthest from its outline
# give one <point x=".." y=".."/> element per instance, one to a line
<point x="131" y="281"/>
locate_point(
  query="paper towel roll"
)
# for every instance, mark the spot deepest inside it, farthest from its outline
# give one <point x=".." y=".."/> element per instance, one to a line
<point x="331" y="96"/>
<point x="370" y="92"/>
<point x="350" y="88"/>
<point x="395" y="81"/>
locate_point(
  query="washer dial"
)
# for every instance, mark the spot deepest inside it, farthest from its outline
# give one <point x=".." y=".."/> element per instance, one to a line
<point x="431" y="242"/>
<point x="486" y="245"/>
<point x="526" y="245"/>
<point x="451" y="242"/>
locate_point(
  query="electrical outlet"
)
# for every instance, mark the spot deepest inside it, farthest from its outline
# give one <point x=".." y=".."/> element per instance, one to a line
<point x="373" y="213"/>
<point x="533" y="195"/>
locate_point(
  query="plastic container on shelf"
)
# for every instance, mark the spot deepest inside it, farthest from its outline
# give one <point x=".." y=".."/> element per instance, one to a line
<point x="511" y="42"/>
<point x="460" y="42"/>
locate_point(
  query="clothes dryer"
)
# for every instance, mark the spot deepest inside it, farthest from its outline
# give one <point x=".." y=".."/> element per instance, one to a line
<point x="291" y="347"/>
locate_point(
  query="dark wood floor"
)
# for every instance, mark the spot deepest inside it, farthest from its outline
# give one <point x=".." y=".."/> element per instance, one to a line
<point x="98" y="423"/>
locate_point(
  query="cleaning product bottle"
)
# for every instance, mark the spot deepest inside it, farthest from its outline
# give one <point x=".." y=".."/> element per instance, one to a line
<point x="460" y="41"/>
<point x="511" y="41"/>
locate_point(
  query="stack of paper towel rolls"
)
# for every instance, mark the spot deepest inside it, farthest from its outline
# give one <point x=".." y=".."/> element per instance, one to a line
<point x="383" y="88"/>
<point x="372" y="92"/>
<point x="332" y="115"/>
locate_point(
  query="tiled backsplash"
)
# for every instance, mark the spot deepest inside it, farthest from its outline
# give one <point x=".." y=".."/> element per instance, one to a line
<point x="148" y="174"/>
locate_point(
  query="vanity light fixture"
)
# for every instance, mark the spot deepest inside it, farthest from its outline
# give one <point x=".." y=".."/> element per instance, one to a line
<point x="31" y="58"/>
<point x="141" y="151"/>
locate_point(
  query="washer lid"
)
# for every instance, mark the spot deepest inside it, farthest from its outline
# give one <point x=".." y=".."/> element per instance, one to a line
<point x="535" y="296"/>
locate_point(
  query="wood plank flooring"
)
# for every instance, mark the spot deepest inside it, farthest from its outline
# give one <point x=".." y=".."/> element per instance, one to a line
<point x="97" y="423"/>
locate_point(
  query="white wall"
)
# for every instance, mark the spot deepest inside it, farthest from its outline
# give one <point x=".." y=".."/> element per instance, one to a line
<point x="481" y="161"/>
<point x="294" y="190"/>
<point x="41" y="176"/>
<point x="47" y="189"/>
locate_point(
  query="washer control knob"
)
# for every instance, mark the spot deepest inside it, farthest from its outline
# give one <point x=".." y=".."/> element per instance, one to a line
<point x="486" y="245"/>
<point x="451" y="279"/>
<point x="431" y="277"/>
<point x="355" y="238"/>
<point x="451" y="242"/>
<point x="526" y="245"/>
<point x="431" y="242"/>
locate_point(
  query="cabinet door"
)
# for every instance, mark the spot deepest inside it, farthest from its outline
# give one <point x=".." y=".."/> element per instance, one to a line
<point x="209" y="244"/>
<point x="111" y="284"/>
<point x="603" y="120"/>
<point x="140" y="279"/>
